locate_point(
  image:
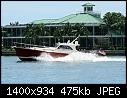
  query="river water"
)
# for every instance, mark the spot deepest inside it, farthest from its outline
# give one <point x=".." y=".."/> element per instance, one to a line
<point x="77" y="68"/>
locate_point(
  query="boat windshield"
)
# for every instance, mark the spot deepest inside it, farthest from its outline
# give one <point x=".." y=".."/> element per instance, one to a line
<point x="64" y="47"/>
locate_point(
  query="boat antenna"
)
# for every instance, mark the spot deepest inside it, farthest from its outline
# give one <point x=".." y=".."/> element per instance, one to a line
<point x="75" y="39"/>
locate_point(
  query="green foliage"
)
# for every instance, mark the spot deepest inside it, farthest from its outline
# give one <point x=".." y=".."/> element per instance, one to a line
<point x="32" y="32"/>
<point x="115" y="21"/>
<point x="67" y="29"/>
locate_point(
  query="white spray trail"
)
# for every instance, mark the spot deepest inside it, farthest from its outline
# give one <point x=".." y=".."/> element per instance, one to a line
<point x="79" y="56"/>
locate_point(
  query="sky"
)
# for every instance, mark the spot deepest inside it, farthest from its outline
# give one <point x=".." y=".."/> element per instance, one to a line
<point x="28" y="11"/>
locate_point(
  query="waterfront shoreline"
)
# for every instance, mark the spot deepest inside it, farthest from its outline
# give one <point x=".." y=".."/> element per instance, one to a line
<point x="108" y="52"/>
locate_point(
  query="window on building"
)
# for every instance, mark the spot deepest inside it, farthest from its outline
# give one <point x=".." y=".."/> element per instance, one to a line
<point x="91" y="8"/>
<point x="84" y="8"/>
<point x="88" y="8"/>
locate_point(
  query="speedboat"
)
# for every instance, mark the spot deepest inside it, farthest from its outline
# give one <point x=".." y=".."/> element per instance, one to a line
<point x="31" y="52"/>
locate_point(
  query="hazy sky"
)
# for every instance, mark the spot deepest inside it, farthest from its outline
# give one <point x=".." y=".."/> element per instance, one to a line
<point x="27" y="11"/>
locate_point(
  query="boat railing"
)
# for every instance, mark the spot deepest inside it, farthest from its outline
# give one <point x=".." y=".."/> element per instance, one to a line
<point x="75" y="39"/>
<point x="17" y="44"/>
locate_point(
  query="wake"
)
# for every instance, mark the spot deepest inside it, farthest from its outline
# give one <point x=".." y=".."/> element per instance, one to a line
<point x="80" y="56"/>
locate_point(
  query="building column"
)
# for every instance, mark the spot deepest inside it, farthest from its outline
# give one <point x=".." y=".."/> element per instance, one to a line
<point x="116" y="42"/>
<point x="21" y="34"/>
<point x="93" y="35"/>
<point x="86" y="41"/>
<point x="11" y="43"/>
<point x="49" y="41"/>
<point x="63" y="39"/>
<point x="12" y="32"/>
<point x="16" y="32"/>
<point x="123" y="42"/>
<point x="108" y="41"/>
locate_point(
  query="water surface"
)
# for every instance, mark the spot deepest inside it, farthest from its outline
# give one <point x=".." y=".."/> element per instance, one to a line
<point x="98" y="70"/>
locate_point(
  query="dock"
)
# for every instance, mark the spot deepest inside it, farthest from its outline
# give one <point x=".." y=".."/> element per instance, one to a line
<point x="9" y="53"/>
<point x="115" y="52"/>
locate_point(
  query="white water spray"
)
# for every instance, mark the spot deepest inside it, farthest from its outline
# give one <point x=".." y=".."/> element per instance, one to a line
<point x="80" y="56"/>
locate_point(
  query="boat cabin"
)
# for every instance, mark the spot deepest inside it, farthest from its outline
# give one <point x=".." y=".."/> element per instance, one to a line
<point x="64" y="47"/>
<point x="68" y="45"/>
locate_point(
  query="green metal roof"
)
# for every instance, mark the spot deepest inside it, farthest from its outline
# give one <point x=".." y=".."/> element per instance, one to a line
<point x="61" y="20"/>
<point x="86" y="18"/>
<point x="88" y="4"/>
<point x="83" y="18"/>
<point x="43" y="21"/>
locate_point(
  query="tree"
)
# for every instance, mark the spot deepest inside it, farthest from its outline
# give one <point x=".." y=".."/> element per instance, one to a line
<point x="33" y="31"/>
<point x="58" y="33"/>
<point x="115" y="22"/>
<point x="28" y="32"/>
<point x="67" y="30"/>
<point x="80" y="29"/>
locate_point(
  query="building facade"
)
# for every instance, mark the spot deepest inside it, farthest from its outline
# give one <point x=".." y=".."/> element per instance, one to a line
<point x="98" y="36"/>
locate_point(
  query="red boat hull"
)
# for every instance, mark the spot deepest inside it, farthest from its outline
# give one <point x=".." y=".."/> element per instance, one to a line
<point x="26" y="54"/>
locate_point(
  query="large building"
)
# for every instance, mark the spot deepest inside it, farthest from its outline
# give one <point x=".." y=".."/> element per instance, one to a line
<point x="98" y="37"/>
